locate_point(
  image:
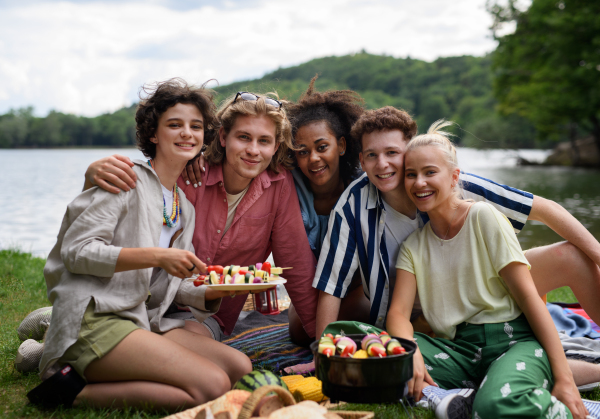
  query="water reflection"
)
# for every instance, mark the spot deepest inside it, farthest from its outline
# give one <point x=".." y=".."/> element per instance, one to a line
<point x="37" y="185"/>
<point x="578" y="190"/>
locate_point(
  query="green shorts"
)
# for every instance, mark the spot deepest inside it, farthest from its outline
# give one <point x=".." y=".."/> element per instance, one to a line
<point x="99" y="334"/>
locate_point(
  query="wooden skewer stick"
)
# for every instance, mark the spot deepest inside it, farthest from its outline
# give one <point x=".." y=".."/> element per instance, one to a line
<point x="283" y="269"/>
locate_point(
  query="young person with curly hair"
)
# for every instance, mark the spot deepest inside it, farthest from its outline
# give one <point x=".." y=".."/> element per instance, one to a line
<point x="371" y="205"/>
<point x="326" y="160"/>
<point x="325" y="156"/>
<point x="246" y="206"/>
<point x="118" y="266"/>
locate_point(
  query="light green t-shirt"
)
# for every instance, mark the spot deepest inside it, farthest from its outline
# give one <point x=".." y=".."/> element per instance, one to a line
<point x="459" y="281"/>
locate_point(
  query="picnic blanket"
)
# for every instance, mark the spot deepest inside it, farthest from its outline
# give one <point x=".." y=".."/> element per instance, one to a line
<point x="266" y="341"/>
<point x="573" y="320"/>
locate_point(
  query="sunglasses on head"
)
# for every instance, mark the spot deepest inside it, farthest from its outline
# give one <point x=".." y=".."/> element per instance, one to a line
<point x="252" y="97"/>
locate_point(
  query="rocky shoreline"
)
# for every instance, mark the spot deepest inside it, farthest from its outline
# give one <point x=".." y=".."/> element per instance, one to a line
<point x="580" y="153"/>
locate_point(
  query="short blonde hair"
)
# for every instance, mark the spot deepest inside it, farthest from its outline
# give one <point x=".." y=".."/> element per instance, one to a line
<point x="226" y="117"/>
<point x="435" y="137"/>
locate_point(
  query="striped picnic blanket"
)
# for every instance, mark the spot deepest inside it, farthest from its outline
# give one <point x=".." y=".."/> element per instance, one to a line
<point x="266" y="341"/>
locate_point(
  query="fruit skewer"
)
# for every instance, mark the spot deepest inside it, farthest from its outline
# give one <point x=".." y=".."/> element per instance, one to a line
<point x="373" y="346"/>
<point x="234" y="274"/>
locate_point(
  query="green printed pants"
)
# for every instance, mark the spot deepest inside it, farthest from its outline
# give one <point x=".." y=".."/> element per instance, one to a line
<point x="504" y="360"/>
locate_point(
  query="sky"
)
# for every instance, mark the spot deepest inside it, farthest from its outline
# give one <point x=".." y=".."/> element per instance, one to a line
<point x="91" y="57"/>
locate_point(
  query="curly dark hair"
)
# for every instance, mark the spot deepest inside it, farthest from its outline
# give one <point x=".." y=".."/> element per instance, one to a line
<point x="387" y="118"/>
<point x="156" y="98"/>
<point x="340" y="109"/>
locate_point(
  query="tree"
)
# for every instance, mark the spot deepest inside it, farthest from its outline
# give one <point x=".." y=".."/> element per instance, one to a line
<point x="548" y="70"/>
<point x="14" y="127"/>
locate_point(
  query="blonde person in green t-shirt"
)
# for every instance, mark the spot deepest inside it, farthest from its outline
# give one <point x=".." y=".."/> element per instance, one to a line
<point x="493" y="330"/>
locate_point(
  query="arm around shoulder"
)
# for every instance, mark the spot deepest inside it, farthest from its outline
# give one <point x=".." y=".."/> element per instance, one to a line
<point x="113" y="174"/>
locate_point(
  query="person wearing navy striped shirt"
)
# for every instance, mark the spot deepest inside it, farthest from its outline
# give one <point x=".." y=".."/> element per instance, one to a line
<point x="374" y="215"/>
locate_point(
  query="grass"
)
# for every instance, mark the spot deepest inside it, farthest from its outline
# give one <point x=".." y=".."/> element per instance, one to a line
<point x="22" y="290"/>
<point x="390" y="411"/>
<point x="563" y="295"/>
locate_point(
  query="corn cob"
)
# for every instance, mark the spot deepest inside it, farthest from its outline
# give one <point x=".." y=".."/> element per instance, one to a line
<point x="292" y="379"/>
<point x="292" y="386"/>
<point x="309" y="389"/>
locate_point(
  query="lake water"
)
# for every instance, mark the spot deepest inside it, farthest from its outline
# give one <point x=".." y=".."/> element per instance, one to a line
<point x="37" y="185"/>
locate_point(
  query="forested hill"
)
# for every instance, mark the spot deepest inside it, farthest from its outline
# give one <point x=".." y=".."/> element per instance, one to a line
<point x="455" y="88"/>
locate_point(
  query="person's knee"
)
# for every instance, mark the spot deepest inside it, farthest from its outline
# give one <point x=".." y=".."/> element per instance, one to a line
<point x="240" y="366"/>
<point x="577" y="269"/>
<point x="211" y="385"/>
<point x="569" y="253"/>
<point x="561" y="264"/>
<point x="563" y="255"/>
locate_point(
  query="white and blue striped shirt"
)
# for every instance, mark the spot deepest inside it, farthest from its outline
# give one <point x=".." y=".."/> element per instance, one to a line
<point x="356" y="237"/>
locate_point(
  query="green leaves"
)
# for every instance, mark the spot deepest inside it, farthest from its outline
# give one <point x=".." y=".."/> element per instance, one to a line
<point x="548" y="70"/>
<point x="20" y="128"/>
<point x="444" y="88"/>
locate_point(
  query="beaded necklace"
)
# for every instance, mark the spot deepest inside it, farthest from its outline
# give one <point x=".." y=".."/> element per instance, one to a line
<point x="176" y="212"/>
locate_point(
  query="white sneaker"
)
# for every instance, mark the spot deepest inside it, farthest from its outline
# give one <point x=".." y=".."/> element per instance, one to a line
<point x="29" y="355"/>
<point x="35" y="324"/>
<point x="593" y="408"/>
<point x="449" y="404"/>
<point x="456" y="406"/>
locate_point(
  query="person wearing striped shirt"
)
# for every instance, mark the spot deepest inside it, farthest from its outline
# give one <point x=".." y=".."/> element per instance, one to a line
<point x="373" y="217"/>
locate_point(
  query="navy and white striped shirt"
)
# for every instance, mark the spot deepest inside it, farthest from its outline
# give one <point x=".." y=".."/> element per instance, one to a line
<point x="356" y="237"/>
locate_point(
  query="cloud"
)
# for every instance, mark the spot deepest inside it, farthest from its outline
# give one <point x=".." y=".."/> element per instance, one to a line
<point x="89" y="57"/>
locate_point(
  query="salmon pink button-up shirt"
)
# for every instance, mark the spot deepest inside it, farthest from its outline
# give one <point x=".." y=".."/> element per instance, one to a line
<point x="268" y="219"/>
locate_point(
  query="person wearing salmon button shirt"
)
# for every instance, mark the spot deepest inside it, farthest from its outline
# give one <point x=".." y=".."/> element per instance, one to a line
<point x="247" y="207"/>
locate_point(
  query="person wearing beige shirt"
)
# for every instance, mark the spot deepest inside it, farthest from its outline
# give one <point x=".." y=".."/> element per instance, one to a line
<point x="109" y="343"/>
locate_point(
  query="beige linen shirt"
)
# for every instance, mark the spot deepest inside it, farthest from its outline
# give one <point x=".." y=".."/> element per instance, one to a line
<point x="81" y="266"/>
<point x="460" y="281"/>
